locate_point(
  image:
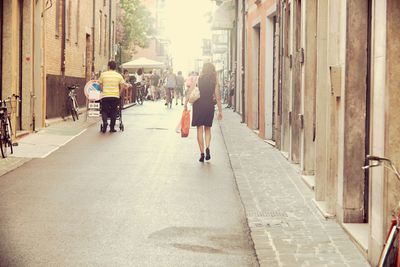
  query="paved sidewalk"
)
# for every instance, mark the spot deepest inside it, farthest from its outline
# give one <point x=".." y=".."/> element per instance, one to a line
<point x="286" y="227"/>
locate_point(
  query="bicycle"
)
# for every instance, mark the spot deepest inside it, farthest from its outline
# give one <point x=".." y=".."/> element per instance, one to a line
<point x="72" y="102"/>
<point x="5" y="127"/>
<point x="390" y="255"/>
<point x="140" y="94"/>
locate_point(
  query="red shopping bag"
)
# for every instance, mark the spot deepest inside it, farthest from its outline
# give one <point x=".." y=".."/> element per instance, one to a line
<point x="185" y="125"/>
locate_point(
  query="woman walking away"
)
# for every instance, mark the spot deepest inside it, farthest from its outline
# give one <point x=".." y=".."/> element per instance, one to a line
<point x="203" y="108"/>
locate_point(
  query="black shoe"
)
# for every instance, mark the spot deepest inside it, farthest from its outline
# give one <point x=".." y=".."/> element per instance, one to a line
<point x="104" y="128"/>
<point x="208" y="156"/>
<point x="112" y="130"/>
<point x="201" y="157"/>
<point x="166" y="103"/>
<point x="176" y="103"/>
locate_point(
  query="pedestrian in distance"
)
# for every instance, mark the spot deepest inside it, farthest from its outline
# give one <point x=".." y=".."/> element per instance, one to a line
<point x="188" y="83"/>
<point x="203" y="108"/>
<point x="170" y="87"/>
<point x="127" y="88"/>
<point x="154" y="82"/>
<point x="180" y="83"/>
<point x="111" y="84"/>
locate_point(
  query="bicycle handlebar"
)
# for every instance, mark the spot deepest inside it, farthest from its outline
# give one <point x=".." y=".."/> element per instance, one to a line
<point x="380" y="161"/>
<point x="73" y="87"/>
<point x="8" y="99"/>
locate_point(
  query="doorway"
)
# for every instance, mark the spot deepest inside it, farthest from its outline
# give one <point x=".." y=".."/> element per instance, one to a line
<point x="256" y="78"/>
<point x="270" y="72"/>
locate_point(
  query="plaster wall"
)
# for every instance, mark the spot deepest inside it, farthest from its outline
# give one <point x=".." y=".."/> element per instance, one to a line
<point x="255" y="75"/>
<point x="322" y="97"/>
<point x="342" y="63"/>
<point x="38" y="66"/>
<point x="392" y="96"/>
<point x="240" y="66"/>
<point x="286" y="79"/>
<point x="376" y="215"/>
<point x="296" y="82"/>
<point x="309" y="72"/>
<point x="8" y="48"/>
<point x="27" y="66"/>
<point x="269" y="79"/>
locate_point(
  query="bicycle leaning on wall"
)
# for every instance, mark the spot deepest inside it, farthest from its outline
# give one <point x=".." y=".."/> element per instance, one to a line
<point x="72" y="102"/>
<point x="390" y="255"/>
<point x="6" y="145"/>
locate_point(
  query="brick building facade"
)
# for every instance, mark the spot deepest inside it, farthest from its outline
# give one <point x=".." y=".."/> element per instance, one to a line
<point x="76" y="26"/>
<point x="33" y="35"/>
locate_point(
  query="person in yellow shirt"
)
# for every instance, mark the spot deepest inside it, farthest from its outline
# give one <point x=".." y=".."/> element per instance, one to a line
<point x="111" y="84"/>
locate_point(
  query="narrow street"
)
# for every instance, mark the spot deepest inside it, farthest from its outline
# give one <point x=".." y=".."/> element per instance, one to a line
<point x="133" y="198"/>
<point x="141" y="198"/>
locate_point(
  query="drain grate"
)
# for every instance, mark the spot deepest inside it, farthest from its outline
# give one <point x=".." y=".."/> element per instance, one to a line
<point x="268" y="214"/>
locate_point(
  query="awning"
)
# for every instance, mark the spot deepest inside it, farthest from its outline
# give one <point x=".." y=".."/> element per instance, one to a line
<point x="143" y="63"/>
<point x="224" y="16"/>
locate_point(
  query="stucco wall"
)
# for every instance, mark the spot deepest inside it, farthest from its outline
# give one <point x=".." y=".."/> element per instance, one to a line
<point x="255" y="101"/>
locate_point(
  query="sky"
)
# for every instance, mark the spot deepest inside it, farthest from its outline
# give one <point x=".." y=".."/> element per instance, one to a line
<point x="186" y="26"/>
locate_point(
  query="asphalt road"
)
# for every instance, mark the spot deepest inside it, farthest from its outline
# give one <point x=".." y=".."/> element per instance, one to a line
<point x="133" y="198"/>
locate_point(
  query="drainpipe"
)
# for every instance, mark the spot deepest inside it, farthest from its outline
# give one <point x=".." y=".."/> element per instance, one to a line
<point x="1" y="46"/>
<point x="63" y="32"/>
<point x="93" y="34"/>
<point x="63" y="37"/>
<point x="243" y="61"/>
<point x="235" y="55"/>
<point x="109" y="31"/>
<point x="280" y="68"/>
<point x="21" y="25"/>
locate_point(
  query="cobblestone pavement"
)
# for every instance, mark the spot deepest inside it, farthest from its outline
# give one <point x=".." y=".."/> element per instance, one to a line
<point x="285" y="225"/>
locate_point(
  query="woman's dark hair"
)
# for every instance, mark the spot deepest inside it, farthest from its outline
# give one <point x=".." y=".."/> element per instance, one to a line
<point x="209" y="69"/>
<point x="140" y="71"/>
<point x="126" y="71"/>
<point x="112" y="65"/>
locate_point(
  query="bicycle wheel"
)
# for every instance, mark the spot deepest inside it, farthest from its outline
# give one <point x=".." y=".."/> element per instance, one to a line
<point x="4" y="138"/>
<point x="388" y="256"/>
<point x="139" y="97"/>
<point x="74" y="110"/>
<point x="9" y="131"/>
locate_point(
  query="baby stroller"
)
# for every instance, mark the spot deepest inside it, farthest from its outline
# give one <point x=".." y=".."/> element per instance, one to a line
<point x="119" y="116"/>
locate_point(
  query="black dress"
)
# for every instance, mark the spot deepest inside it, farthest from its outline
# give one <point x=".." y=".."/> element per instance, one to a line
<point x="203" y="108"/>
